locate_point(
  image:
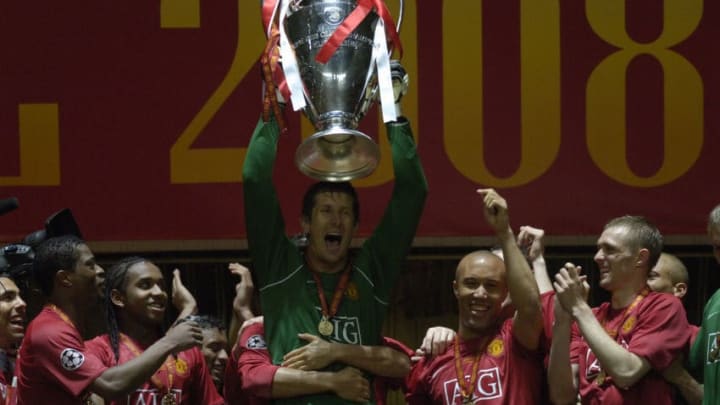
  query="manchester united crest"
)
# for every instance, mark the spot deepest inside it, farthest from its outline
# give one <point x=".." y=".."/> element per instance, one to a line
<point x="352" y="292"/>
<point x="496" y="348"/>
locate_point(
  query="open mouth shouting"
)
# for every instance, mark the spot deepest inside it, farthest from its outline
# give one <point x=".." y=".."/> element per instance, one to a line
<point x="333" y="242"/>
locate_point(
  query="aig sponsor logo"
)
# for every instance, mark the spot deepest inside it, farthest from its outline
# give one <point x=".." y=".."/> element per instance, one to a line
<point x="346" y="329"/>
<point x="488" y="387"/>
<point x="152" y="397"/>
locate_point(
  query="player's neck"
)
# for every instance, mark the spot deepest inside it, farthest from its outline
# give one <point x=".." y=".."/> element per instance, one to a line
<point x="138" y="332"/>
<point x="321" y="266"/>
<point x="622" y="297"/>
<point x="74" y="312"/>
<point x="467" y="333"/>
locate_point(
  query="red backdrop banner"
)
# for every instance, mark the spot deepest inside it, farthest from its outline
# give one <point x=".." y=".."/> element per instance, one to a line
<point x="136" y="115"/>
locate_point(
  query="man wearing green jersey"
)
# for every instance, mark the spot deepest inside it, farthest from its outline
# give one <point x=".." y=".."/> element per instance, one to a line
<point x="323" y="288"/>
<point x="705" y="353"/>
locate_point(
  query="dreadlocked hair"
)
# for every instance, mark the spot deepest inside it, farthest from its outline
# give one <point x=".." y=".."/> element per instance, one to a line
<point x="115" y="279"/>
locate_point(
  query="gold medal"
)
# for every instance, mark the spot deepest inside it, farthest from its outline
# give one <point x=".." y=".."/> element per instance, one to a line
<point x="325" y="327"/>
<point x="600" y="379"/>
<point x="168" y="399"/>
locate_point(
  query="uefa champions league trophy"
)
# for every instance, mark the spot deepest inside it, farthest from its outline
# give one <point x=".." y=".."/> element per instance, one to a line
<point x="335" y="60"/>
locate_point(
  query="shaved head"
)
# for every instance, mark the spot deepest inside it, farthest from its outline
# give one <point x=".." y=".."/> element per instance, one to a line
<point x="669" y="276"/>
<point x="478" y="258"/>
<point x="675" y="268"/>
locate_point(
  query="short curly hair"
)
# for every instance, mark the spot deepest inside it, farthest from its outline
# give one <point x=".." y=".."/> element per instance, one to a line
<point x="52" y="255"/>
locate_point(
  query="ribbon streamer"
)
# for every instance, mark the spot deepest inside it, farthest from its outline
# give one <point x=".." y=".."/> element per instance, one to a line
<point x="381" y="57"/>
<point x="290" y="66"/>
<point x="351" y="22"/>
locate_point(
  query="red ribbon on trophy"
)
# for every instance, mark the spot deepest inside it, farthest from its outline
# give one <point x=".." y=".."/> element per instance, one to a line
<point x="269" y="61"/>
<point x="363" y="8"/>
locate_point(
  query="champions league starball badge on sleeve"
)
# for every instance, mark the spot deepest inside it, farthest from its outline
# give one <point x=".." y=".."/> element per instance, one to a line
<point x="331" y="58"/>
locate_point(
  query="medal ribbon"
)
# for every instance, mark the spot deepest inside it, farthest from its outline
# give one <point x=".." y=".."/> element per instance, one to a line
<point x="603" y="321"/>
<point x="467" y="390"/>
<point x="167" y="365"/>
<point x="337" y="295"/>
<point x="613" y="333"/>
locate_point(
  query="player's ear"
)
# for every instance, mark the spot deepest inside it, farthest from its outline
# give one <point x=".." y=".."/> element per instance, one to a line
<point x="117" y="298"/>
<point x="64" y="278"/>
<point x="642" y="257"/>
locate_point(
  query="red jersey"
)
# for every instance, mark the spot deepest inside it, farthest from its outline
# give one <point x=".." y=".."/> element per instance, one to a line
<point x="383" y="384"/>
<point x="547" y="300"/>
<point x="507" y="373"/>
<point x="186" y="375"/>
<point x="655" y="329"/>
<point x="53" y="362"/>
<point x="6" y="376"/>
<point x="249" y="372"/>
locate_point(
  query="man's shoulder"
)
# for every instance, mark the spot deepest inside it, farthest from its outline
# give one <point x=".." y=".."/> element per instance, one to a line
<point x="102" y="340"/>
<point x="47" y="324"/>
<point x="657" y="299"/>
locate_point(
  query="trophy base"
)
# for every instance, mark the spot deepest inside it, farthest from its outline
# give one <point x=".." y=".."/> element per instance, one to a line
<point x="337" y="154"/>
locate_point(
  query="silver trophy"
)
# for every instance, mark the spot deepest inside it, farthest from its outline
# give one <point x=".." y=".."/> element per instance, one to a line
<point x="337" y="93"/>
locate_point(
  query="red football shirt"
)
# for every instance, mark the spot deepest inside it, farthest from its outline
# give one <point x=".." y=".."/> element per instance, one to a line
<point x="655" y="329"/>
<point x="186" y="374"/>
<point x="507" y="373"/>
<point x="384" y="384"/>
<point x="54" y="363"/>
<point x="249" y="372"/>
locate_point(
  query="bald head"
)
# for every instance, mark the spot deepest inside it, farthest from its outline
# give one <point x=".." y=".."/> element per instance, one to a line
<point x="669" y="276"/>
<point x="480" y="287"/>
<point x="713" y="229"/>
<point x="479" y="259"/>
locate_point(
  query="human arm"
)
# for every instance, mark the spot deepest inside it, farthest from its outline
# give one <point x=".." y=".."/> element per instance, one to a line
<point x="96" y="399"/>
<point x="263" y="379"/>
<point x="123" y="378"/>
<point x="417" y="386"/>
<point x="347" y="383"/>
<point x="242" y="302"/>
<point x="527" y="324"/>
<point x="318" y="353"/>
<point x="562" y="374"/>
<point x="263" y="217"/>
<point x="691" y="390"/>
<point x="625" y="367"/>
<point x="182" y="299"/>
<point x="531" y="241"/>
<point x="394" y="233"/>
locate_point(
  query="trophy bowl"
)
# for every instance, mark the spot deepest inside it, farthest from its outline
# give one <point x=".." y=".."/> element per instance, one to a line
<point x="337" y="93"/>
